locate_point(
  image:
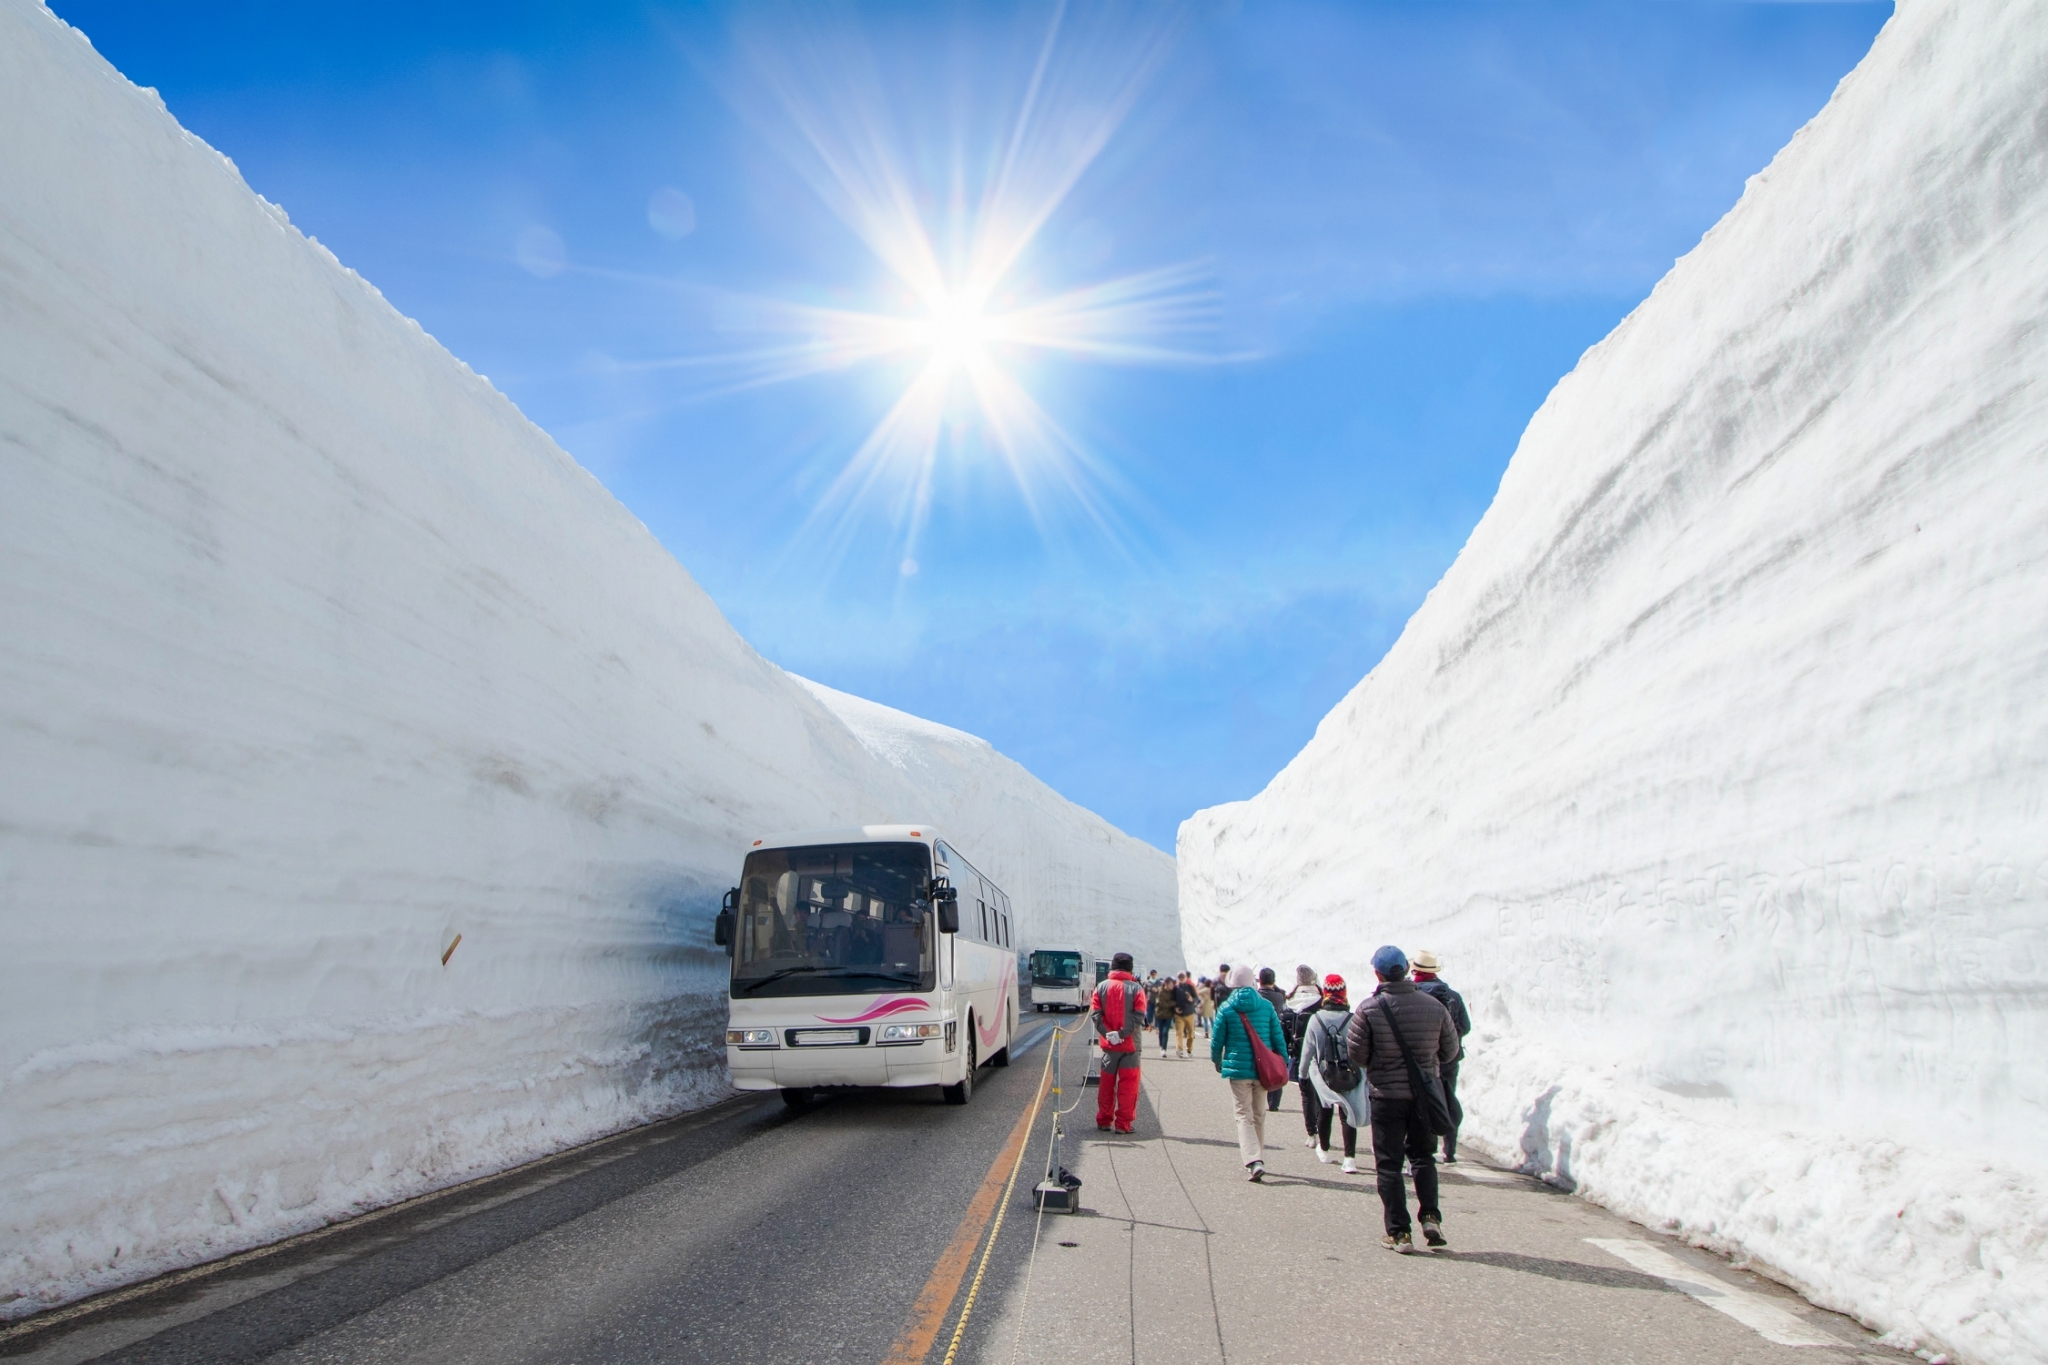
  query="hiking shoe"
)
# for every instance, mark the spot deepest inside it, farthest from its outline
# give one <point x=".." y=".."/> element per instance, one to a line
<point x="1256" y="1172"/>
<point x="1350" y="1166"/>
<point x="1399" y="1241"/>
<point x="1323" y="1155"/>
<point x="1433" y="1233"/>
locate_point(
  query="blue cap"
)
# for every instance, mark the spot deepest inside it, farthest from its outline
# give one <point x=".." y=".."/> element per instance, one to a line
<point x="1390" y="962"/>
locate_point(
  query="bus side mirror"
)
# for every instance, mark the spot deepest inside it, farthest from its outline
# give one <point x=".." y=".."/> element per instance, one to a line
<point x="721" y="928"/>
<point x="947" y="901"/>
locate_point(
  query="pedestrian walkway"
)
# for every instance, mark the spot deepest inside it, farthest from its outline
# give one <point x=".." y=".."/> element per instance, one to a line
<point x="1177" y="1259"/>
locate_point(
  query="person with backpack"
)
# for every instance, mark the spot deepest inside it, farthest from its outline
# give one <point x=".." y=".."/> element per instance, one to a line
<point x="1205" y="1001"/>
<point x="1271" y="993"/>
<point x="1401" y="1039"/>
<point x="1117" y="1011"/>
<point x="1185" y="1008"/>
<point x="1328" y="1075"/>
<point x="1426" y="968"/>
<point x="1302" y="1003"/>
<point x="1249" y="1050"/>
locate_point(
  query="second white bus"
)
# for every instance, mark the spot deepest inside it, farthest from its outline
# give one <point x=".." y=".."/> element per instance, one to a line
<point x="1062" y="978"/>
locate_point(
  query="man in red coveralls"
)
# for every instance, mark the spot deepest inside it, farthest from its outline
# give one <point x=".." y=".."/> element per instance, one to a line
<point x="1118" y="1012"/>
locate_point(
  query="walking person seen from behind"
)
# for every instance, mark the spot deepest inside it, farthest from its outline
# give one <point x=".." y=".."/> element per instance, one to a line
<point x="1185" y="1008"/>
<point x="1240" y="1018"/>
<point x="1118" y="1014"/>
<point x="1398" y="1015"/>
<point x="1302" y="1002"/>
<point x="1426" y="968"/>
<point x="1205" y="1001"/>
<point x="1325" y="1068"/>
<point x="1271" y="993"/>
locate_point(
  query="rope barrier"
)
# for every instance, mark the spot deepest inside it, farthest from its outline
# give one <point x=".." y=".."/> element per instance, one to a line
<point x="974" y="1289"/>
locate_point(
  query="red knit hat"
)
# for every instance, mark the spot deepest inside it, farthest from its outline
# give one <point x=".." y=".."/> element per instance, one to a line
<point x="1333" y="987"/>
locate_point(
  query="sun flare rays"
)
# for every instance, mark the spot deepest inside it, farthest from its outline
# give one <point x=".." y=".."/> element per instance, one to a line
<point x="969" y="300"/>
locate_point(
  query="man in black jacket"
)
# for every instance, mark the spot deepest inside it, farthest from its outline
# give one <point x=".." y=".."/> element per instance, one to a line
<point x="1426" y="968"/>
<point x="1398" y="1126"/>
<point x="1270" y="988"/>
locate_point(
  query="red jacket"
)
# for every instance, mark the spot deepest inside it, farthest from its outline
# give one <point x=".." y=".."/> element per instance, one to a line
<point x="1119" y="1007"/>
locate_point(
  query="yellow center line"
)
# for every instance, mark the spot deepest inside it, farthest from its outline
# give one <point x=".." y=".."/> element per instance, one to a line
<point x="928" y="1314"/>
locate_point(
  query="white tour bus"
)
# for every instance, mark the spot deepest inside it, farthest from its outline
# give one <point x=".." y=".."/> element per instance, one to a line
<point x="869" y="956"/>
<point x="1062" y="978"/>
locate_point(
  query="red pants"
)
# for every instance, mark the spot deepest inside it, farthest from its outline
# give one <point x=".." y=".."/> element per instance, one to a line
<point x="1116" y="1099"/>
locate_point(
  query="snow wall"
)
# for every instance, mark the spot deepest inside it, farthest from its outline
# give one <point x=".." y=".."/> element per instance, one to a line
<point x="1714" y="766"/>
<point x="315" y="654"/>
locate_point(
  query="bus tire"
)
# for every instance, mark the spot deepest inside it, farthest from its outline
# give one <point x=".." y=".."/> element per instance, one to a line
<point x="797" y="1096"/>
<point x="1001" y="1056"/>
<point x="964" y="1091"/>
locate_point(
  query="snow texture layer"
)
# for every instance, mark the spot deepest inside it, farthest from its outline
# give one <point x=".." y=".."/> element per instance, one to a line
<point x="314" y="655"/>
<point x="1714" y="766"/>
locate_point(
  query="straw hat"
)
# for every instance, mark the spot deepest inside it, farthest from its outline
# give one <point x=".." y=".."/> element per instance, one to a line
<point x="1426" y="962"/>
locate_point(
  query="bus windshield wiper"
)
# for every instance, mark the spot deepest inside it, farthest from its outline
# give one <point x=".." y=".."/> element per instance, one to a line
<point x="753" y="983"/>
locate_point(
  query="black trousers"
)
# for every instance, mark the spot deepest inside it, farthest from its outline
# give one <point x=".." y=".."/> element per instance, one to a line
<point x="1328" y="1112"/>
<point x="1398" y="1131"/>
<point x="1310" y="1103"/>
<point x="1457" y="1110"/>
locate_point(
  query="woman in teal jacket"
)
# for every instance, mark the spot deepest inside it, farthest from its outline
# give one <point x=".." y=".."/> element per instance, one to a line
<point x="1230" y="1048"/>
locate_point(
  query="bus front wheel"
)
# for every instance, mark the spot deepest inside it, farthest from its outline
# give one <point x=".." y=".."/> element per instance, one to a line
<point x="796" y="1097"/>
<point x="963" y="1092"/>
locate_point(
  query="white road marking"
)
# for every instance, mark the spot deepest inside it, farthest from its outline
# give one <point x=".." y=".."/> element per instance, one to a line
<point x="1759" y="1314"/>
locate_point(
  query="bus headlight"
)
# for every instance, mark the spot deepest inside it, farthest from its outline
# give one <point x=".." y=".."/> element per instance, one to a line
<point x="909" y="1033"/>
<point x="750" y="1037"/>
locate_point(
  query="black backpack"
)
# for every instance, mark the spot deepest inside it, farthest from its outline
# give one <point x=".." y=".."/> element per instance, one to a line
<point x="1339" y="1072"/>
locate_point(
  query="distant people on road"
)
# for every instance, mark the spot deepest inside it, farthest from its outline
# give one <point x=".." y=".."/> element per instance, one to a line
<point x="1185" y="1008"/>
<point x="1205" y="1001"/>
<point x="1242" y="1014"/>
<point x="1117" y="1011"/>
<point x="1398" y="1125"/>
<point x="1325" y="1055"/>
<point x="1270" y="992"/>
<point x="1160" y="992"/>
<point x="1426" y="979"/>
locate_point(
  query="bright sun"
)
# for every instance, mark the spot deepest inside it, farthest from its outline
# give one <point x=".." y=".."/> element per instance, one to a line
<point x="968" y="281"/>
<point x="956" y="333"/>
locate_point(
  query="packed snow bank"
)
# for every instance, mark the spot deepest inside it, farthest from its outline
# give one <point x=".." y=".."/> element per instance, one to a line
<point x="314" y="656"/>
<point x="1715" y="764"/>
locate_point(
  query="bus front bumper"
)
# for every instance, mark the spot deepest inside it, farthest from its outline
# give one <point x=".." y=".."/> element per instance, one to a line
<point x="925" y="1063"/>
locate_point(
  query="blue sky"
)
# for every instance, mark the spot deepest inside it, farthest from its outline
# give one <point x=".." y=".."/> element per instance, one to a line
<point x="1387" y="230"/>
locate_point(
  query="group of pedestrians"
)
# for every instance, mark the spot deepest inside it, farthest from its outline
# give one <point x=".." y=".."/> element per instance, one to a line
<point x="1389" y="1066"/>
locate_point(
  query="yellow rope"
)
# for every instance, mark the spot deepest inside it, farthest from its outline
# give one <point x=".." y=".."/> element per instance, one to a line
<point x="1023" y="1148"/>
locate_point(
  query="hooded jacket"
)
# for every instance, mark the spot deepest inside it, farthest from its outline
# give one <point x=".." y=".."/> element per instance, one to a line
<point x="1229" y="1046"/>
<point x="1425" y="1025"/>
<point x="1132" y="1012"/>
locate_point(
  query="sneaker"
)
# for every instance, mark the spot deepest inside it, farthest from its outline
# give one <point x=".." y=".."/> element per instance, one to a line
<point x="1311" y="1140"/>
<point x="1450" y="1159"/>
<point x="1123" y="1130"/>
<point x="1256" y="1172"/>
<point x="1350" y="1166"/>
<point x="1399" y="1241"/>
<point x="1101" y="1127"/>
<point x="1323" y="1155"/>
<point x="1433" y="1233"/>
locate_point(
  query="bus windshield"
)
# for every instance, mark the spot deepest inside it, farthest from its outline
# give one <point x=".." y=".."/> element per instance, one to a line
<point x="1050" y="967"/>
<point x="835" y="919"/>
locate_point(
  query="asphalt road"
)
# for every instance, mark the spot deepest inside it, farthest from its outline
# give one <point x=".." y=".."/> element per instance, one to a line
<point x="748" y="1232"/>
<point x="857" y="1230"/>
